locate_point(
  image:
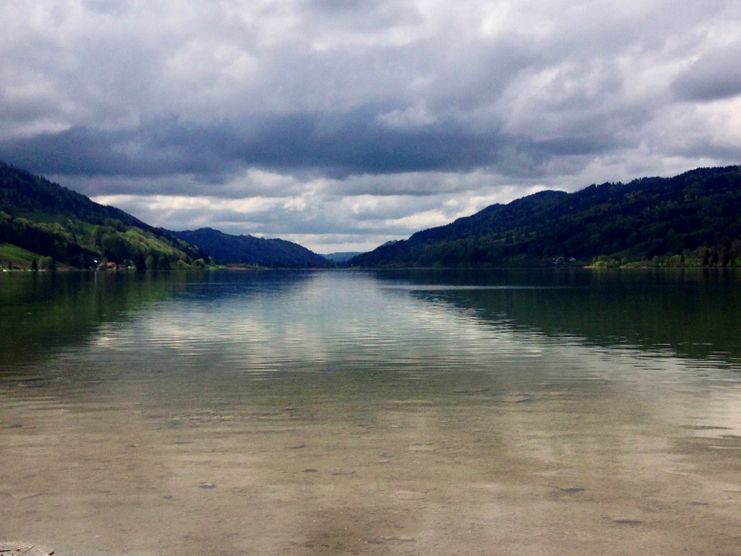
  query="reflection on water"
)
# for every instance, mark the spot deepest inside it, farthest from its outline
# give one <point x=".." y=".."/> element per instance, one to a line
<point x="379" y="412"/>
<point x="691" y="313"/>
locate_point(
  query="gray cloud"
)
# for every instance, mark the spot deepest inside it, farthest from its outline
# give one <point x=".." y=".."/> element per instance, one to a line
<point x="345" y="119"/>
<point x="332" y="145"/>
<point x="715" y="75"/>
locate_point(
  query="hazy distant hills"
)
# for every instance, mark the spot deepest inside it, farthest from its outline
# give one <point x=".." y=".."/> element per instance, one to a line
<point x="39" y="218"/>
<point x="246" y="249"/>
<point x="341" y="256"/>
<point x="693" y="219"/>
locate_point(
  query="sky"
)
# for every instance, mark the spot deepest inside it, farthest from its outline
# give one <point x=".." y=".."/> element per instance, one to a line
<point x="343" y="124"/>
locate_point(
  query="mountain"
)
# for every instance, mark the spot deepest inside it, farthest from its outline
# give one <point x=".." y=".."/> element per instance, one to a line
<point x="39" y="218"/>
<point x="246" y="249"/>
<point x="341" y="256"/>
<point x="693" y="219"/>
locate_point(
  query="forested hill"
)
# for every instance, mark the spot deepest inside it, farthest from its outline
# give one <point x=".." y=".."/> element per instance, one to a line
<point x="246" y="249"/>
<point x="40" y="219"/>
<point x="693" y="219"/>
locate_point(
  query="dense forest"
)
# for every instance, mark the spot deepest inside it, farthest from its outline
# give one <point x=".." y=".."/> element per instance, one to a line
<point x="693" y="219"/>
<point x="44" y="224"/>
<point x="246" y="249"/>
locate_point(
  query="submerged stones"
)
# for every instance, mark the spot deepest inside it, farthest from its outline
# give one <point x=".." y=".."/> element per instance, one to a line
<point x="410" y="495"/>
<point x="381" y="540"/>
<point x="626" y="521"/>
<point x="516" y="398"/>
<point x="13" y="548"/>
<point x="572" y="490"/>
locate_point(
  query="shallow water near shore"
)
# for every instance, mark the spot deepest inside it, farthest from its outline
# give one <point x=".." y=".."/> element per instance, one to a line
<point x="396" y="412"/>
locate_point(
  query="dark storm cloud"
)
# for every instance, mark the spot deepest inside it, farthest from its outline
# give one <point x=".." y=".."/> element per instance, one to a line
<point x="336" y="146"/>
<point x="153" y="149"/>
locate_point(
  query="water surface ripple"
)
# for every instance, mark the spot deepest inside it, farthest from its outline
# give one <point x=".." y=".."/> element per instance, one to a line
<point x="424" y="412"/>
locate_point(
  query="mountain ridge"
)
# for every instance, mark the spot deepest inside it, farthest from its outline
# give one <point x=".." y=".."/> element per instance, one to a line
<point x="248" y="249"/>
<point x="687" y="220"/>
<point x="40" y="219"/>
<point x="692" y="219"/>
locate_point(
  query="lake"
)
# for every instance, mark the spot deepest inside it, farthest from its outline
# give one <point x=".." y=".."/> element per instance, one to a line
<point x="392" y="412"/>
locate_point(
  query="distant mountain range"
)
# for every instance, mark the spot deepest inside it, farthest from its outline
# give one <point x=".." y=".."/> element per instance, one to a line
<point x="693" y="219"/>
<point x="246" y="249"/>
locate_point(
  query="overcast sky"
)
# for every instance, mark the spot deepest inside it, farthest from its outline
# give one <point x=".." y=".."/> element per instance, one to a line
<point x="342" y="124"/>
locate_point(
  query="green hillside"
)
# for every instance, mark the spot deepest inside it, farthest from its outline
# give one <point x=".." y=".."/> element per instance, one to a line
<point x="39" y="218"/>
<point x="17" y="257"/>
<point x="693" y="219"/>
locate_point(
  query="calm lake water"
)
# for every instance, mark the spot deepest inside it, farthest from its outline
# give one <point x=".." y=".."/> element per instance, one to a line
<point x="405" y="412"/>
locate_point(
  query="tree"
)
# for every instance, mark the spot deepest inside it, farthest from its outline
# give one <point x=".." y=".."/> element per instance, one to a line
<point x="139" y="261"/>
<point x="705" y="257"/>
<point x="34" y="265"/>
<point x="725" y="255"/>
<point x="115" y="247"/>
<point x="163" y="263"/>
